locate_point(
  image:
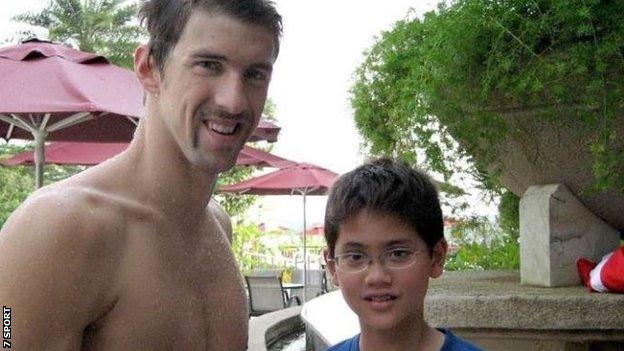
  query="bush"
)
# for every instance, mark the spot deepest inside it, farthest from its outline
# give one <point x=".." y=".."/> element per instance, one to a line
<point x="17" y="183"/>
<point x="482" y="246"/>
<point x="446" y="77"/>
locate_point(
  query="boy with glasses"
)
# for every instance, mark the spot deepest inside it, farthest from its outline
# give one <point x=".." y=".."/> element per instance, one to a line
<point x="384" y="232"/>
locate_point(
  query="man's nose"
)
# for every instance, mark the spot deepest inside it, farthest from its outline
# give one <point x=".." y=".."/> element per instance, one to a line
<point x="377" y="274"/>
<point x="231" y="95"/>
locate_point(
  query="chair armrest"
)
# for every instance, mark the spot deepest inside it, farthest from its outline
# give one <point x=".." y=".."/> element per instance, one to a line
<point x="295" y="299"/>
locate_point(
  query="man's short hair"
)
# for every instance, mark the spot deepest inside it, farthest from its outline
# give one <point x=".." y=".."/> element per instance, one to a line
<point x="387" y="187"/>
<point x="166" y="19"/>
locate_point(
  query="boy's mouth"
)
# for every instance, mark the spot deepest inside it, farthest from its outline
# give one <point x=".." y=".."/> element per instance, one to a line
<point x="380" y="302"/>
<point x="380" y="298"/>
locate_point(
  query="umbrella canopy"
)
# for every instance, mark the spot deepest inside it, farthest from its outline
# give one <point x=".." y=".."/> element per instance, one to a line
<point x="48" y="88"/>
<point x="52" y="92"/>
<point x="265" y="130"/>
<point x="89" y="154"/>
<point x="69" y="153"/>
<point x="299" y="179"/>
<point x="250" y="156"/>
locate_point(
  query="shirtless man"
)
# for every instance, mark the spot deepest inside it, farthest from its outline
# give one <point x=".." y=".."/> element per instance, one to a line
<point x="124" y="256"/>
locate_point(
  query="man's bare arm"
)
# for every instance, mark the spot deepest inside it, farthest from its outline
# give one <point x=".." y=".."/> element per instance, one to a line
<point x="51" y="272"/>
<point x="221" y="217"/>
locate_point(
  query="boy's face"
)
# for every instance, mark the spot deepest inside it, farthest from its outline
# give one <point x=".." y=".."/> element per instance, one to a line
<point x="385" y="298"/>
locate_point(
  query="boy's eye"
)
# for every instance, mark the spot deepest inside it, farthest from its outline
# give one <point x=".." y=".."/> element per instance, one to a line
<point x="398" y="254"/>
<point x="353" y="257"/>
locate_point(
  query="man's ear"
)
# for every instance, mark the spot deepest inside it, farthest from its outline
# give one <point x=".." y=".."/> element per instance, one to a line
<point x="438" y="258"/>
<point x="331" y="266"/>
<point x="146" y="70"/>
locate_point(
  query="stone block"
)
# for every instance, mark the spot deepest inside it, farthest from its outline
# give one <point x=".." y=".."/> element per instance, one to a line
<point x="555" y="230"/>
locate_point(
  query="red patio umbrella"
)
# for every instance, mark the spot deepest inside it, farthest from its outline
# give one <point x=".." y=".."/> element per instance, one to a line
<point x="89" y="154"/>
<point x="69" y="153"/>
<point x="299" y="179"/>
<point x="250" y="156"/>
<point x="265" y="130"/>
<point x="52" y="92"/>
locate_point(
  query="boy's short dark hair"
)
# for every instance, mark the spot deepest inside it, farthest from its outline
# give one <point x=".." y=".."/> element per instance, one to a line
<point x="388" y="187"/>
<point x="165" y="20"/>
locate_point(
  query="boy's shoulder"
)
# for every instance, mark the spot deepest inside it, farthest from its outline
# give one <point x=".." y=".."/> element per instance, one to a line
<point x="352" y="344"/>
<point x="451" y="343"/>
<point x="454" y="343"/>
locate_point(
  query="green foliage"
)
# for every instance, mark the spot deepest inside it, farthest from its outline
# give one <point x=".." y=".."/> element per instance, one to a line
<point x="269" y="111"/>
<point x="246" y="241"/>
<point x="509" y="214"/>
<point x="482" y="246"/>
<point x="18" y="182"/>
<point x="102" y="26"/>
<point x="447" y="76"/>
<point x="235" y="204"/>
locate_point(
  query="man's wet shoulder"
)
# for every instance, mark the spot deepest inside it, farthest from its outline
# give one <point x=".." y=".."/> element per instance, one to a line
<point x="72" y="215"/>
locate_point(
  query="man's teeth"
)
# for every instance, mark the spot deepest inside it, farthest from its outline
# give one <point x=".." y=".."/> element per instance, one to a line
<point x="222" y="129"/>
<point x="381" y="298"/>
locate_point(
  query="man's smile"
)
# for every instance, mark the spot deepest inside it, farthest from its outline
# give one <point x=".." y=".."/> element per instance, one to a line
<point x="223" y="128"/>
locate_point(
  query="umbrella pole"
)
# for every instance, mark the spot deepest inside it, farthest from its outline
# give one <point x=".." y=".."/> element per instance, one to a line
<point x="39" y="159"/>
<point x="305" y="260"/>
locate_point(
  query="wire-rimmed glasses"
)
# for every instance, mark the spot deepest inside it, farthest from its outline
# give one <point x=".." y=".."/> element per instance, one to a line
<point x="356" y="262"/>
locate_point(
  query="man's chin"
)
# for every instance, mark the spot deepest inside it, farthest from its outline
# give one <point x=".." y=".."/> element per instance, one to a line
<point x="213" y="161"/>
<point x="216" y="165"/>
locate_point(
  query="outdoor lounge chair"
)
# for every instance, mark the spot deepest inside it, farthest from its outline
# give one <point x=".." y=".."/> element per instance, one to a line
<point x="316" y="282"/>
<point x="266" y="293"/>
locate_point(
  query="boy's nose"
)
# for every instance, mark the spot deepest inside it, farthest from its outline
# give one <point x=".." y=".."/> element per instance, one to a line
<point x="230" y="95"/>
<point x="377" y="274"/>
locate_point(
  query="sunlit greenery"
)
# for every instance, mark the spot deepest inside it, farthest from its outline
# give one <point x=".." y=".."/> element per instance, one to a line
<point x="478" y="244"/>
<point x="432" y="81"/>
<point x="17" y="182"/>
<point x="247" y="241"/>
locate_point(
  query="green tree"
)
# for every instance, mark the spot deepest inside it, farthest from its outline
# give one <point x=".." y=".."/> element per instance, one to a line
<point x="429" y="89"/>
<point x="244" y="242"/>
<point x="478" y="244"/>
<point x="235" y="204"/>
<point x="509" y="214"/>
<point x="17" y="183"/>
<point x="106" y="27"/>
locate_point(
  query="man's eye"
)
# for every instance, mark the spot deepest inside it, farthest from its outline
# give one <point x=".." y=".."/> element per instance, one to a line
<point x="257" y="76"/>
<point x="212" y="66"/>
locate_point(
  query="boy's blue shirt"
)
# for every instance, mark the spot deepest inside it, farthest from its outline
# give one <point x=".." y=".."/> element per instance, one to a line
<point x="451" y="343"/>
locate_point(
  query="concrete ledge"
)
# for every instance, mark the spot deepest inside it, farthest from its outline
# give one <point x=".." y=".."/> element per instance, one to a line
<point x="268" y="328"/>
<point x="494" y="311"/>
<point x="328" y="321"/>
<point x="496" y="300"/>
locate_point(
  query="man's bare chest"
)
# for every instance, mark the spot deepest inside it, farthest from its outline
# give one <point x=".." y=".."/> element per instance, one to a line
<point x="176" y="297"/>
